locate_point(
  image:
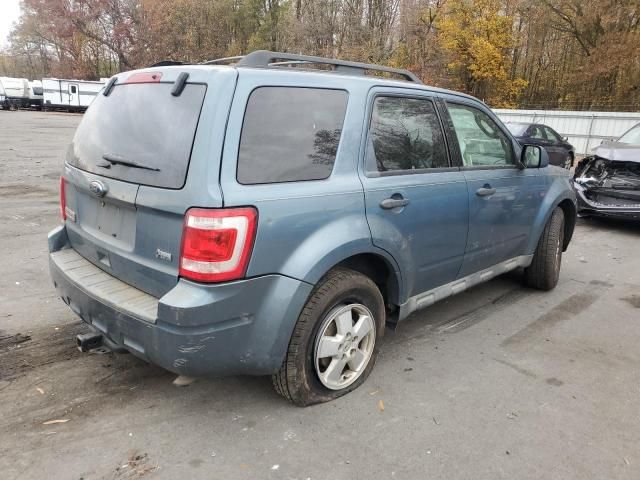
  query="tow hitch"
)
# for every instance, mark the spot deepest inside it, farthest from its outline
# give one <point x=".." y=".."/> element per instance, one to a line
<point x="89" y="341"/>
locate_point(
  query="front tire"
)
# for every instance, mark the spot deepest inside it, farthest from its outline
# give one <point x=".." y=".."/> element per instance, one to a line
<point x="335" y="341"/>
<point x="544" y="271"/>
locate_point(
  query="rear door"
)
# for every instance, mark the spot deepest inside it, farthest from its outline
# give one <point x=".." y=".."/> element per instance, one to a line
<point x="416" y="201"/>
<point x="74" y="95"/>
<point x="139" y="159"/>
<point x="503" y="198"/>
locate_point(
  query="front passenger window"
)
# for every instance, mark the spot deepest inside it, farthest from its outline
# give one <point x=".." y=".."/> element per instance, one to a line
<point x="481" y="141"/>
<point x="552" y="135"/>
<point x="537" y="133"/>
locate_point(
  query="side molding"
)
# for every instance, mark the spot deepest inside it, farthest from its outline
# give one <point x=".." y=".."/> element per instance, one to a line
<point x="425" y="299"/>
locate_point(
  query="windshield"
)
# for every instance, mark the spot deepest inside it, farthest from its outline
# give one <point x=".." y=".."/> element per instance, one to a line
<point x="632" y="137"/>
<point x="140" y="133"/>
<point x="517" y="129"/>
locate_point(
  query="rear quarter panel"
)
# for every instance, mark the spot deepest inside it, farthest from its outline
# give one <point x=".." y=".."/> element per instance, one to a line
<point x="304" y="228"/>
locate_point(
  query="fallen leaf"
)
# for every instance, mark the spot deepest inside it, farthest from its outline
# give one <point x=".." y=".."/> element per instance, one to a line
<point x="183" y="381"/>
<point x="381" y="406"/>
<point x="60" y="420"/>
<point x="41" y="391"/>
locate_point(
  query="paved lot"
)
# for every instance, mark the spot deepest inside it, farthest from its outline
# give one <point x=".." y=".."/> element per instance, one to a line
<point x="499" y="382"/>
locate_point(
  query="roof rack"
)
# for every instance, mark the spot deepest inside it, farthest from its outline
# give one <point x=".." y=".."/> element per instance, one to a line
<point x="266" y="59"/>
<point x="223" y="61"/>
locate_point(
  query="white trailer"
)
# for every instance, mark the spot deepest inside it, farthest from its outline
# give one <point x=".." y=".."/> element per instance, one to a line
<point x="16" y="92"/>
<point x="69" y="94"/>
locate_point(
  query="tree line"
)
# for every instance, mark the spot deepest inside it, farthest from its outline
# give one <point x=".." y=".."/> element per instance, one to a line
<point x="562" y="54"/>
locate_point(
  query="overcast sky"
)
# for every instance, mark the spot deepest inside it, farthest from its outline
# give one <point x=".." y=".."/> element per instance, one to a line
<point x="9" y="13"/>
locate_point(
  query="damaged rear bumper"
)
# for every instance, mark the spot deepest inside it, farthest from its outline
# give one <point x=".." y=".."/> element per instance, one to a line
<point x="231" y="328"/>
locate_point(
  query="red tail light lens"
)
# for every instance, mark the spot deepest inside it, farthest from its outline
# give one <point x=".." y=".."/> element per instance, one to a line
<point x="217" y="244"/>
<point x="144" y="77"/>
<point x="63" y="200"/>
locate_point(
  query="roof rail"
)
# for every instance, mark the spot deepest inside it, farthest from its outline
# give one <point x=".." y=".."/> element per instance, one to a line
<point x="223" y="61"/>
<point x="266" y="59"/>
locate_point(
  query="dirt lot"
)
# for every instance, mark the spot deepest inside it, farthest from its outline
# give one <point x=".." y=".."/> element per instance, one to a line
<point x="499" y="382"/>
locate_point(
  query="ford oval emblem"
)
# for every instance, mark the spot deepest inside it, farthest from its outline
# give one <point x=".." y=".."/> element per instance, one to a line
<point x="98" y="188"/>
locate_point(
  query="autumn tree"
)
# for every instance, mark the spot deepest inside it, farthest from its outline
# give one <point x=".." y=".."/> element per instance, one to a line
<point x="478" y="38"/>
<point x="571" y="54"/>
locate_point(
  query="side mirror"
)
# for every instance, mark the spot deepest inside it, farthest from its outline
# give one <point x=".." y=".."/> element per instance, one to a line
<point x="565" y="139"/>
<point x="533" y="156"/>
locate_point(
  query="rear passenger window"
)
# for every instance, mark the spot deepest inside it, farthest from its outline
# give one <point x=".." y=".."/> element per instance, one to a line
<point x="481" y="141"/>
<point x="404" y="134"/>
<point x="290" y="134"/>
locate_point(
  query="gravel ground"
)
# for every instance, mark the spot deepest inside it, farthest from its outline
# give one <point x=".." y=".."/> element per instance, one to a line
<point x="498" y="382"/>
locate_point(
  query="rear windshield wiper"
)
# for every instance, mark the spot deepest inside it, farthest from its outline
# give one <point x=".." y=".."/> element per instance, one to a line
<point x="115" y="160"/>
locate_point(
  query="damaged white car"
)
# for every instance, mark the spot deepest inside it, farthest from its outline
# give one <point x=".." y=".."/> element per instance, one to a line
<point x="607" y="183"/>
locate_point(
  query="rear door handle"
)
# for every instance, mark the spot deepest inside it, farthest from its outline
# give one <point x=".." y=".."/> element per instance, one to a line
<point x="485" y="191"/>
<point x="394" y="202"/>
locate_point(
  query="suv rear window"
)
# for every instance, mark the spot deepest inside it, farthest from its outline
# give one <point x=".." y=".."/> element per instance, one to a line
<point x="142" y="124"/>
<point x="290" y="134"/>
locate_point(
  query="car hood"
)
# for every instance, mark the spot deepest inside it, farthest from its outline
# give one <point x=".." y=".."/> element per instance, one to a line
<point x="620" y="152"/>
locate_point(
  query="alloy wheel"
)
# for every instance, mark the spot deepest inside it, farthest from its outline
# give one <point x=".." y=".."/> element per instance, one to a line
<point x="344" y="345"/>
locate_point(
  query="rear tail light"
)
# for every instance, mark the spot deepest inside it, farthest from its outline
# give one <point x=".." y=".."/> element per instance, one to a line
<point x="217" y="243"/>
<point x="63" y="200"/>
<point x="144" y="77"/>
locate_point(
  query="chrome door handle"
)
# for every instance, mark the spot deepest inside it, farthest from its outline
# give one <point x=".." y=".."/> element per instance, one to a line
<point x="389" y="203"/>
<point x="485" y="191"/>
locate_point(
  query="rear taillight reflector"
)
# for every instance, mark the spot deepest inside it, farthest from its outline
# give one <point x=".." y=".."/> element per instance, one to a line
<point x="217" y="243"/>
<point x="63" y="200"/>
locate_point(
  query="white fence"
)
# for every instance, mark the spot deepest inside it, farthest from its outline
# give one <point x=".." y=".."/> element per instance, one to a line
<point x="584" y="130"/>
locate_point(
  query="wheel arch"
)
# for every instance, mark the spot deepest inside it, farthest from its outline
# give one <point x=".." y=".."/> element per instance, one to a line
<point x="373" y="263"/>
<point x="560" y="194"/>
<point x="570" y="215"/>
<point x="379" y="269"/>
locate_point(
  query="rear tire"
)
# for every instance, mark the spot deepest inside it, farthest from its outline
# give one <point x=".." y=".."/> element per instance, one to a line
<point x="345" y="315"/>
<point x="544" y="271"/>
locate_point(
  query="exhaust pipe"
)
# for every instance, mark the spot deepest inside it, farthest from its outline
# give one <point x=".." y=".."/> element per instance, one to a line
<point x="89" y="341"/>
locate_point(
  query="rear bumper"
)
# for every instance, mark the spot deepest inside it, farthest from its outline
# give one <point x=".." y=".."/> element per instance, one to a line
<point x="587" y="207"/>
<point x="232" y="328"/>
